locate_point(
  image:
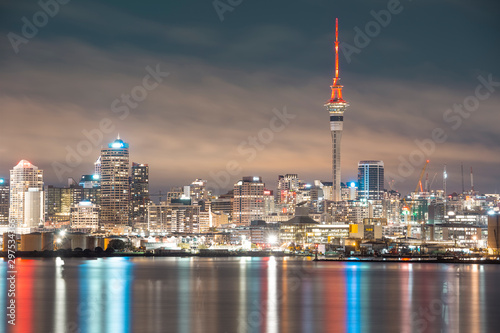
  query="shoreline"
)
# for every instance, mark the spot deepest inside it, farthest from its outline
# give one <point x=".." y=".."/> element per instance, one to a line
<point x="258" y="254"/>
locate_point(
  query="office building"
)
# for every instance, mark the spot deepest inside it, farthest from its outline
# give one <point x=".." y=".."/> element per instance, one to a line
<point x="139" y="192"/>
<point x="4" y="201"/>
<point x="177" y="216"/>
<point x="371" y="180"/>
<point x="115" y="192"/>
<point x="60" y="200"/>
<point x="85" y="216"/>
<point x="248" y="204"/>
<point x="26" y="195"/>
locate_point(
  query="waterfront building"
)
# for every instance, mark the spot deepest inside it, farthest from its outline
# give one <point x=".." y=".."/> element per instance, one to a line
<point x="60" y="200"/>
<point x="248" y="204"/>
<point x="139" y="193"/>
<point x="115" y="192"/>
<point x="84" y="216"/>
<point x="4" y="201"/>
<point x="26" y="207"/>
<point x="177" y="216"/>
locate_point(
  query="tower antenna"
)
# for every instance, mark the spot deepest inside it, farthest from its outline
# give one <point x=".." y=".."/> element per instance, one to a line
<point x="336" y="107"/>
<point x="471" y="180"/>
<point x="463" y="188"/>
<point x="336" y="51"/>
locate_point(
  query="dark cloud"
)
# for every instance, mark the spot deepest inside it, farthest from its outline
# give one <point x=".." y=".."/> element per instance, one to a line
<point x="227" y="77"/>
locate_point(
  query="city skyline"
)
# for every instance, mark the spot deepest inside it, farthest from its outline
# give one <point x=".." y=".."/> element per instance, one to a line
<point x="210" y="103"/>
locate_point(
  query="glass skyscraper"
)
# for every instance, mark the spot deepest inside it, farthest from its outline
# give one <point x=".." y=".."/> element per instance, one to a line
<point x="115" y="188"/>
<point x="371" y="180"/>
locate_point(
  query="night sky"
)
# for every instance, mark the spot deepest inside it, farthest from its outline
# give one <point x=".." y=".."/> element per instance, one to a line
<point x="226" y="78"/>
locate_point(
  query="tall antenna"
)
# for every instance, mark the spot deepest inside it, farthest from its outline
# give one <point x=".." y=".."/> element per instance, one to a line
<point x="336" y="87"/>
<point x="445" y="175"/>
<point x="471" y="180"/>
<point x="463" y="188"/>
<point x="336" y="51"/>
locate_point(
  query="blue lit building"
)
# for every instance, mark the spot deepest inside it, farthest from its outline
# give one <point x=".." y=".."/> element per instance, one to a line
<point x="371" y="180"/>
<point x="115" y="188"/>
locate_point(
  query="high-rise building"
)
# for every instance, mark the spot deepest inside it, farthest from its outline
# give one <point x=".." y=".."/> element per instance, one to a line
<point x="198" y="190"/>
<point x="97" y="166"/>
<point x="248" y="204"/>
<point x="288" y="182"/>
<point x="336" y="107"/>
<point x="115" y="187"/>
<point x="371" y="180"/>
<point x="60" y="200"/>
<point x="139" y="193"/>
<point x="177" y="216"/>
<point x="4" y="201"/>
<point x="90" y="181"/>
<point x="26" y="195"/>
<point x="223" y="205"/>
<point x="85" y="216"/>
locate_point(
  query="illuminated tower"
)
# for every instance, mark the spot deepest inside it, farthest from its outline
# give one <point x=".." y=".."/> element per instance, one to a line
<point x="336" y="106"/>
<point x="139" y="192"/>
<point x="115" y="185"/>
<point x="26" y="195"/>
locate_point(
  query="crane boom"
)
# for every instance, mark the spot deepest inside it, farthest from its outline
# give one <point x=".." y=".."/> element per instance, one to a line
<point x="419" y="184"/>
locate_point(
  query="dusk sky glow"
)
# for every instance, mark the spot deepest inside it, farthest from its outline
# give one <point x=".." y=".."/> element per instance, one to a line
<point x="225" y="78"/>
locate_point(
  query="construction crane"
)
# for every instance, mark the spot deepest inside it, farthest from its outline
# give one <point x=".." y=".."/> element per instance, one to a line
<point x="433" y="179"/>
<point x="419" y="185"/>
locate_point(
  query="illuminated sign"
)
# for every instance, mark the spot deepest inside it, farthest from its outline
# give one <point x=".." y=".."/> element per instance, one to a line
<point x="2" y="180"/>
<point x="117" y="144"/>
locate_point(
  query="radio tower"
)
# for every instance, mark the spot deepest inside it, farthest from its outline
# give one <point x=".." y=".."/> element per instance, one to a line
<point x="336" y="106"/>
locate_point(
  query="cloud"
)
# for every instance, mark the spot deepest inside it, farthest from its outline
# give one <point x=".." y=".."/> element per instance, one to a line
<point x="212" y="102"/>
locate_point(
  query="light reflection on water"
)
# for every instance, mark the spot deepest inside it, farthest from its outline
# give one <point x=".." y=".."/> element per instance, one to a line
<point x="249" y="295"/>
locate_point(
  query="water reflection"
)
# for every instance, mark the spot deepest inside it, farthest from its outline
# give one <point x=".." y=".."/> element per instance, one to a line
<point x="24" y="296"/>
<point x="3" y="294"/>
<point x="272" y="296"/>
<point x="104" y="295"/>
<point x="249" y="295"/>
<point x="184" y="296"/>
<point x="60" y="297"/>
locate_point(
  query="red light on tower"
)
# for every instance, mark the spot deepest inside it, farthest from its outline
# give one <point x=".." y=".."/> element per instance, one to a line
<point x="336" y="88"/>
<point x="336" y="49"/>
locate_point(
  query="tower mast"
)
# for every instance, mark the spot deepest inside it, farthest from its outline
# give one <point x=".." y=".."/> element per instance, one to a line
<point x="336" y="107"/>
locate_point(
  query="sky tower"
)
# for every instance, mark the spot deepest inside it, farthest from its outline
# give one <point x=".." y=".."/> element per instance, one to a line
<point x="336" y="106"/>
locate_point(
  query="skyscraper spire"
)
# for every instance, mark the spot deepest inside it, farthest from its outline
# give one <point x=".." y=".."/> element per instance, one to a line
<point x="336" y="87"/>
<point x="336" y="107"/>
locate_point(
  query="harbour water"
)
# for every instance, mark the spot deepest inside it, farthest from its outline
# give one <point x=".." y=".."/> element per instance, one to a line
<point x="249" y="295"/>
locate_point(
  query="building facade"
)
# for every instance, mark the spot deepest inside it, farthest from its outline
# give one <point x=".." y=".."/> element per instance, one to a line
<point x="371" y="180"/>
<point x="115" y="193"/>
<point x="139" y="193"/>
<point x="4" y="201"/>
<point x="248" y="204"/>
<point x="26" y="207"/>
<point x="85" y="216"/>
